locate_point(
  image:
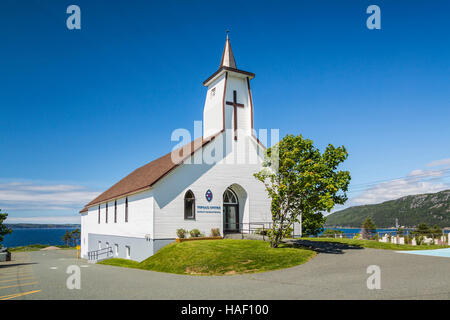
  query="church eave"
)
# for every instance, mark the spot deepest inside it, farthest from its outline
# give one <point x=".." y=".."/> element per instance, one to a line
<point x="223" y="69"/>
<point x="127" y="194"/>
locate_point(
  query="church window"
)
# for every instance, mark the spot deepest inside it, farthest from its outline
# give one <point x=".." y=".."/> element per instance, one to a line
<point x="126" y="209"/>
<point x="189" y="205"/>
<point x="115" y="211"/>
<point x="128" y="252"/>
<point x="106" y="212"/>
<point x="98" y="213"/>
<point x="213" y="92"/>
<point x="229" y="197"/>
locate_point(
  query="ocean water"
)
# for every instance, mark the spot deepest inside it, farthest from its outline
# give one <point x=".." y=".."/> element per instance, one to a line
<point x="350" y="232"/>
<point x="358" y="230"/>
<point x="24" y="237"/>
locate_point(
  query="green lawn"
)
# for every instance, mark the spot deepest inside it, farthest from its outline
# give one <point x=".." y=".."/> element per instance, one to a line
<point x="377" y="245"/>
<point x="36" y="247"/>
<point x="219" y="257"/>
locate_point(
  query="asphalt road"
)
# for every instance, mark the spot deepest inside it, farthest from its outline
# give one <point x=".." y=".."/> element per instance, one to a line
<point x="337" y="272"/>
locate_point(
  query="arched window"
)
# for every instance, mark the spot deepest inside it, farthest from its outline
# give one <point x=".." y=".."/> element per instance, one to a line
<point x="189" y="205"/>
<point x="229" y="197"/>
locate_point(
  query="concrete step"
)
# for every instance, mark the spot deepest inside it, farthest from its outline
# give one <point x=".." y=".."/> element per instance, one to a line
<point x="247" y="236"/>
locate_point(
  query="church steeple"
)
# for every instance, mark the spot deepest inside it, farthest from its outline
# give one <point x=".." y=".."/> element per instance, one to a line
<point x="227" y="55"/>
<point x="228" y="103"/>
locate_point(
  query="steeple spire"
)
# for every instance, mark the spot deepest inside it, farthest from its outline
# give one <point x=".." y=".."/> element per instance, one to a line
<point x="227" y="55"/>
<point x="227" y="66"/>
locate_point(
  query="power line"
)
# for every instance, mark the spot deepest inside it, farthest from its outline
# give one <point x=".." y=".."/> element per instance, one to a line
<point x="353" y="190"/>
<point x="406" y="180"/>
<point x="445" y="171"/>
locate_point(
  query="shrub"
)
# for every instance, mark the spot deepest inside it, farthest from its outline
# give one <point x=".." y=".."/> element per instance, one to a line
<point x="195" y="233"/>
<point x="181" y="233"/>
<point x="215" y="232"/>
<point x="332" y="232"/>
<point x="261" y="231"/>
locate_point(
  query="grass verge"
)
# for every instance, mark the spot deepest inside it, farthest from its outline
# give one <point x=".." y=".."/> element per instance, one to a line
<point x="36" y="247"/>
<point x="219" y="257"/>
<point x="377" y="245"/>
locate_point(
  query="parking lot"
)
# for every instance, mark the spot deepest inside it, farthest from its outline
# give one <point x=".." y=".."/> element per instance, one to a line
<point x="337" y="272"/>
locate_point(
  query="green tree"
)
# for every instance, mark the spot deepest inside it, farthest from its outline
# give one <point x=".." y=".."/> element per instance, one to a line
<point x="302" y="183"/>
<point x="368" y="228"/>
<point x="4" y="230"/>
<point x="436" y="231"/>
<point x="422" y="230"/>
<point x="67" y="237"/>
<point x="75" y="235"/>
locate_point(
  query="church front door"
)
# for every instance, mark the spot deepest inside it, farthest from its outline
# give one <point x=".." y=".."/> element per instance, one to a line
<point x="230" y="211"/>
<point x="231" y="218"/>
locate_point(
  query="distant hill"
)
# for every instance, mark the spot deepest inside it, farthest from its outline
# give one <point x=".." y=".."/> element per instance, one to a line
<point x="40" y="226"/>
<point x="431" y="208"/>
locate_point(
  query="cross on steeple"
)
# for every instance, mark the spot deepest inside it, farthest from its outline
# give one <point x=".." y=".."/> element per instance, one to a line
<point x="235" y="104"/>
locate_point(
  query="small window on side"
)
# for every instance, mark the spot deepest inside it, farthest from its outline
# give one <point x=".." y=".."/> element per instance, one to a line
<point x="115" y="211"/>
<point x="189" y="205"/>
<point x="126" y="209"/>
<point x="128" y="252"/>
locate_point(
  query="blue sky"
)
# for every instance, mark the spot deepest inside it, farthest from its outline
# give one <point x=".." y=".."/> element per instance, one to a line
<point x="81" y="109"/>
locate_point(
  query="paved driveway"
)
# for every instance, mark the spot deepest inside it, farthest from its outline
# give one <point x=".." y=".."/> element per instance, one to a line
<point x="338" y="272"/>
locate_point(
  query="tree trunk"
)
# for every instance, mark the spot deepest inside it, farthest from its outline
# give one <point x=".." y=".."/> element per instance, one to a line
<point x="275" y="241"/>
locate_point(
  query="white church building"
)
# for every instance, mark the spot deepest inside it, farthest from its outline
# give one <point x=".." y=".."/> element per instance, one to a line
<point x="207" y="183"/>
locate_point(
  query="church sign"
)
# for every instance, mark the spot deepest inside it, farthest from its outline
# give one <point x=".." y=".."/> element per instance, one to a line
<point x="209" y="209"/>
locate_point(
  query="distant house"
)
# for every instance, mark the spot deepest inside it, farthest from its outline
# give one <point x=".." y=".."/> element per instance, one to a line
<point x="141" y="213"/>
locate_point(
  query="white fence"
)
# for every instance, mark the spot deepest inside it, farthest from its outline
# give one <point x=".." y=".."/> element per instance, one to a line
<point x="395" y="238"/>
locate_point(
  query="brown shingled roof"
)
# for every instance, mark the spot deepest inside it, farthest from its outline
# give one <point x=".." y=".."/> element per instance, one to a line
<point x="147" y="175"/>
